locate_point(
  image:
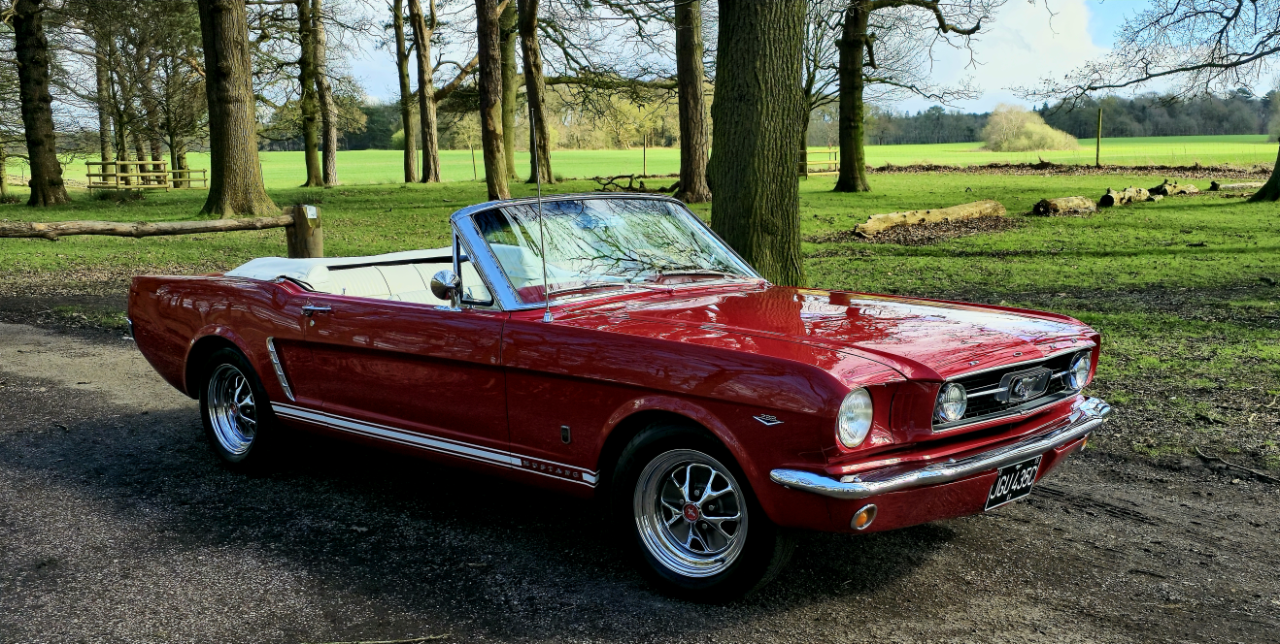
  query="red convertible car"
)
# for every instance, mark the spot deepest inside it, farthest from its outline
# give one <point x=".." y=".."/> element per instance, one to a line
<point x="614" y="347"/>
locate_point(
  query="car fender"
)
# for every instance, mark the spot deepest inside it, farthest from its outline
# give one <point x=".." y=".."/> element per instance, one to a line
<point x="220" y="331"/>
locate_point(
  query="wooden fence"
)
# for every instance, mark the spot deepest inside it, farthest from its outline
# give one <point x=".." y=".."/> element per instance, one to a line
<point x="828" y="162"/>
<point x="303" y="234"/>
<point x="128" y="175"/>
<point x="187" y="178"/>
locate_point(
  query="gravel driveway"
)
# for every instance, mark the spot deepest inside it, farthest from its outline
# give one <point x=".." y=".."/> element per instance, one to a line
<point x="117" y="524"/>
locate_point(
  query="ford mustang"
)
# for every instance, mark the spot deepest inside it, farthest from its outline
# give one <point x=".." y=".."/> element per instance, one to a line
<point x="613" y="347"/>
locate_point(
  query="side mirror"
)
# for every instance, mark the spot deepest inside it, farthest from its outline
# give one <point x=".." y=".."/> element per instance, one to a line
<point x="445" y="285"/>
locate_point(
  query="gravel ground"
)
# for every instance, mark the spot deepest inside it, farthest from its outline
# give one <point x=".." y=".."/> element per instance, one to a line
<point x="117" y="524"/>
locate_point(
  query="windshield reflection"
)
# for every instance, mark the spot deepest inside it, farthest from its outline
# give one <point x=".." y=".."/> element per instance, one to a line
<point x="604" y="245"/>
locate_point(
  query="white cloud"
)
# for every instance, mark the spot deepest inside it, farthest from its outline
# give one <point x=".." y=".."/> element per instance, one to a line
<point x="1022" y="45"/>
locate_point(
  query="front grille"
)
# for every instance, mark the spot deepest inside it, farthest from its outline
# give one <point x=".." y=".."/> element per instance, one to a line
<point x="984" y="401"/>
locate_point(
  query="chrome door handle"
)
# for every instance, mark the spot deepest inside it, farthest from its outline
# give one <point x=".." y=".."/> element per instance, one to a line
<point x="310" y="310"/>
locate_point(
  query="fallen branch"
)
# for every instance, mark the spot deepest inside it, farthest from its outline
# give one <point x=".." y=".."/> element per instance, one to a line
<point x="880" y="223"/>
<point x="1123" y="197"/>
<point x="52" y="231"/>
<point x="1167" y="189"/>
<point x="1064" y="206"/>
<point x="1235" y="187"/>
<point x="610" y="184"/>
<point x="1229" y="464"/>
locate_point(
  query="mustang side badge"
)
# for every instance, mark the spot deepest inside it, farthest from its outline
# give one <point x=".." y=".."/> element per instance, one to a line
<point x="768" y="420"/>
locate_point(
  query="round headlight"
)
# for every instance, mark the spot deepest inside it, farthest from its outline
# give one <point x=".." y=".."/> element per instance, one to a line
<point x="855" y="418"/>
<point x="1078" y="373"/>
<point x="952" y="401"/>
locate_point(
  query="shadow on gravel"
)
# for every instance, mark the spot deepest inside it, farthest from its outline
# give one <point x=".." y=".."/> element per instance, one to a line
<point x="414" y="538"/>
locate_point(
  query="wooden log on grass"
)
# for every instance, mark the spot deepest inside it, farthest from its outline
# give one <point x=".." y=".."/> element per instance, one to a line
<point x="880" y="223"/>
<point x="52" y="231"/>
<point x="1123" y="197"/>
<point x="1235" y="187"/>
<point x="1170" y="188"/>
<point x="1064" y="206"/>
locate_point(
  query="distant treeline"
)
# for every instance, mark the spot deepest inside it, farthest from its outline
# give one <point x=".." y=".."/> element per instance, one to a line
<point x="1239" y="113"/>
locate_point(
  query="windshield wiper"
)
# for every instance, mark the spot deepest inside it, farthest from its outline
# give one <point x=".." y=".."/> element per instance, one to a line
<point x="702" y="271"/>
<point x="585" y="287"/>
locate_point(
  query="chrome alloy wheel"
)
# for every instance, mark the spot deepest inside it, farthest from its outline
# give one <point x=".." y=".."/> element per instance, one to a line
<point x="691" y="513"/>
<point x="231" y="409"/>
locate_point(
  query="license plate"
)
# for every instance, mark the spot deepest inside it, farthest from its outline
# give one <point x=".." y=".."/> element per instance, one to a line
<point x="1014" y="482"/>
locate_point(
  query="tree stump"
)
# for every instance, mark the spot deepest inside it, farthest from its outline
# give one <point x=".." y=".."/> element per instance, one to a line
<point x="1235" y="187"/>
<point x="1064" y="206"/>
<point x="880" y="223"/>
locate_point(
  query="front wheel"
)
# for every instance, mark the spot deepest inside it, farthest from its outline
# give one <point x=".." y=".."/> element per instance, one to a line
<point x="698" y="529"/>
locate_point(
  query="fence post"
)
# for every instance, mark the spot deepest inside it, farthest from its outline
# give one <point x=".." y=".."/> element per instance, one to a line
<point x="305" y="237"/>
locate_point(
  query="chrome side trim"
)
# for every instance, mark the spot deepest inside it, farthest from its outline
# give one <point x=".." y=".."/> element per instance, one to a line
<point x="469" y="451"/>
<point x="279" y="368"/>
<point x="1087" y="417"/>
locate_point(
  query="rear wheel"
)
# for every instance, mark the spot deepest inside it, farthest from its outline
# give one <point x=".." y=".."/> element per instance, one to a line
<point x="236" y="413"/>
<point x="698" y="531"/>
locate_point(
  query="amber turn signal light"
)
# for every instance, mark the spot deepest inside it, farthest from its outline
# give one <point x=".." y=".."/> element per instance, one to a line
<point x="863" y="518"/>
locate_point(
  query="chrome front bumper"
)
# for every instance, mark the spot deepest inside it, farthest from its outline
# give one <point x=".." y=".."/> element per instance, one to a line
<point x="1085" y="418"/>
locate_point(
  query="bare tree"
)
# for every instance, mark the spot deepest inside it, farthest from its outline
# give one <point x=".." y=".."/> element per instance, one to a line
<point x="32" y="49"/>
<point x="859" y="46"/>
<point x="424" y="27"/>
<point x="535" y="91"/>
<point x="1210" y="46"/>
<point x="324" y="91"/>
<point x="406" y="96"/>
<point x="694" y="143"/>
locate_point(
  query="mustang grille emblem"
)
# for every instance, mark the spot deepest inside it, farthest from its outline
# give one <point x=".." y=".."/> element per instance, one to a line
<point x="1021" y="386"/>
<point x="768" y="420"/>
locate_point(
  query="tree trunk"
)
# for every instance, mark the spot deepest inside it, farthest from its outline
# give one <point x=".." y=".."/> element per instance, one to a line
<point x="490" y="85"/>
<point x="52" y="231"/>
<point x="853" y="49"/>
<point x="422" y="32"/>
<point x="507" y="33"/>
<point x="32" y="49"/>
<point x="535" y="90"/>
<point x="328" y="110"/>
<point x="756" y="118"/>
<point x="308" y="103"/>
<point x="4" y="172"/>
<point x="1064" y="206"/>
<point x="1270" y="191"/>
<point x="406" y="105"/>
<point x="103" y="78"/>
<point x="235" y="175"/>
<point x="804" y="146"/>
<point x="694" y="146"/>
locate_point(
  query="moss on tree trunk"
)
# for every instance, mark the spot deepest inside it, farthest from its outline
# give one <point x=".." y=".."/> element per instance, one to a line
<point x="488" y="39"/>
<point x="535" y="88"/>
<point x="235" y="175"/>
<point x="756" y="119"/>
<point x="32" y="49"/>
<point x="694" y="146"/>
<point x="308" y="102"/>
<point x="853" y="49"/>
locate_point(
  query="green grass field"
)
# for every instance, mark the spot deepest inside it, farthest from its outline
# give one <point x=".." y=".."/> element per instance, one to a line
<point x="1192" y="346"/>
<point x="356" y="167"/>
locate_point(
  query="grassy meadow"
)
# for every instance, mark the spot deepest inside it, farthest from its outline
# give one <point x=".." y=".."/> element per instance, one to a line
<point x="1178" y="288"/>
<point x="357" y="167"/>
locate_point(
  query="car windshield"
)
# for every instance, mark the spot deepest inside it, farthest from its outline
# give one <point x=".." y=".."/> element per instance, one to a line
<point x="604" y="245"/>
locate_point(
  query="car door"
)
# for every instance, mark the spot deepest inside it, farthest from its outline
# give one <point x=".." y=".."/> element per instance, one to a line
<point x="413" y="373"/>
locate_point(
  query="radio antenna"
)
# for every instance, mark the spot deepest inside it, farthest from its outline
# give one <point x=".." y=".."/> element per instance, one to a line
<point x="542" y="227"/>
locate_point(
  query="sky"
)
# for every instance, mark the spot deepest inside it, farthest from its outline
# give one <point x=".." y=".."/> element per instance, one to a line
<point x="1021" y="46"/>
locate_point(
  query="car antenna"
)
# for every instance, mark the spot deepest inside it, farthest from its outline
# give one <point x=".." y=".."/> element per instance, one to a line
<point x="542" y="228"/>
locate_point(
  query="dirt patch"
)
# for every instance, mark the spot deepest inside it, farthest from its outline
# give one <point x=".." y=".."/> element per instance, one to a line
<point x="922" y="234"/>
<point x="1195" y="171"/>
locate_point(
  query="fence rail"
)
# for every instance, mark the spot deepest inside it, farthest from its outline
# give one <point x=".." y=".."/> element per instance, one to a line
<point x="303" y="234"/>
<point x="185" y="178"/>
<point x="128" y="175"/>
<point x="828" y="165"/>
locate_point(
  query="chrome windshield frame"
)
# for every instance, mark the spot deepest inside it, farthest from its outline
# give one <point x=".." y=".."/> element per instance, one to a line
<point x="486" y="263"/>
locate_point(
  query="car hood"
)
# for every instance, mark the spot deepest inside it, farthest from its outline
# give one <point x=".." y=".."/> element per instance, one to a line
<point x="922" y="339"/>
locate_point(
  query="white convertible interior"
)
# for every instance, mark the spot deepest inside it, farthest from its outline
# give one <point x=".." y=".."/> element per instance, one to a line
<point x="403" y="276"/>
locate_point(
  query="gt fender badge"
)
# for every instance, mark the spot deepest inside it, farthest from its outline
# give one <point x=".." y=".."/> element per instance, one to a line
<point x="768" y="420"/>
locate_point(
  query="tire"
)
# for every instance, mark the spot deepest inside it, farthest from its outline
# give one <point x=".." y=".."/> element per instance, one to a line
<point x="236" y="412"/>
<point x="697" y="530"/>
